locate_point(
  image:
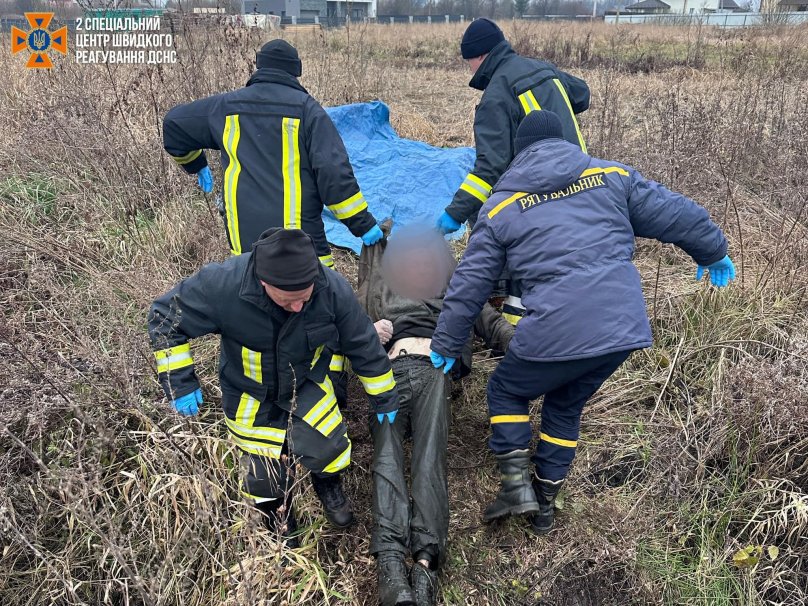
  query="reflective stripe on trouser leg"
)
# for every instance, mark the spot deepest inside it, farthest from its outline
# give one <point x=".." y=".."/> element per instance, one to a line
<point x="319" y="437"/>
<point x="561" y="419"/>
<point x="510" y="421"/>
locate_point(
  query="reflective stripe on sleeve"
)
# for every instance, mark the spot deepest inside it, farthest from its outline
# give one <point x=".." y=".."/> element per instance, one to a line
<point x="187" y="158"/>
<point x="378" y="385"/>
<point x="349" y="207"/>
<point x="475" y="186"/>
<point x="173" y="358"/>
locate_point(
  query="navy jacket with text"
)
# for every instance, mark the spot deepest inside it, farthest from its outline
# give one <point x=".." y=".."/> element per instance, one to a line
<point x="564" y="223"/>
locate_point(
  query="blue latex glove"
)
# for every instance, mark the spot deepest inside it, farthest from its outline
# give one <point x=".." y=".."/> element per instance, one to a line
<point x="438" y="361"/>
<point x="205" y="180"/>
<point x="446" y="225"/>
<point x="721" y="272"/>
<point x="373" y="235"/>
<point x="188" y="405"/>
<point x="391" y="416"/>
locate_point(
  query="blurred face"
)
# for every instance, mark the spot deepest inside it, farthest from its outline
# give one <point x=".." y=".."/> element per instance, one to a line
<point x="475" y="63"/>
<point x="290" y="300"/>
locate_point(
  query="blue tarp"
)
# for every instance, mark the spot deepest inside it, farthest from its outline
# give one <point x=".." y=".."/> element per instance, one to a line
<point x="407" y="180"/>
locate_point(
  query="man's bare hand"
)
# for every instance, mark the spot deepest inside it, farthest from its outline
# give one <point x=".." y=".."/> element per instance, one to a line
<point x="384" y="328"/>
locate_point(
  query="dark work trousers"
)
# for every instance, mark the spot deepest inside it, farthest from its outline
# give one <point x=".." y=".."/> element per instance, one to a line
<point x="316" y="437"/>
<point x="423" y="414"/>
<point x="566" y="387"/>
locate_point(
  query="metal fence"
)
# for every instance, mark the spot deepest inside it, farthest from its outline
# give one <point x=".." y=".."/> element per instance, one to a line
<point x="715" y="19"/>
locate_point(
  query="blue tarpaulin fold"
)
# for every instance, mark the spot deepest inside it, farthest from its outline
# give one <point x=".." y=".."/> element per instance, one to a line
<point x="407" y="180"/>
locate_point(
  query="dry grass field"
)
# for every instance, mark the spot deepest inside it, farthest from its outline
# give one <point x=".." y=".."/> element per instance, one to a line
<point x="695" y="451"/>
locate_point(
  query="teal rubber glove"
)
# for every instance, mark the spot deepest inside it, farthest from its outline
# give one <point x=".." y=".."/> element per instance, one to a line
<point x="446" y="224"/>
<point x="188" y="405"/>
<point x="391" y="416"/>
<point x="205" y="180"/>
<point x="373" y="235"/>
<point x="721" y="272"/>
<point x="438" y="361"/>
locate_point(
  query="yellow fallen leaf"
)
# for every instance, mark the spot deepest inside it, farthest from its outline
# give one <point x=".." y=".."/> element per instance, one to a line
<point x="774" y="551"/>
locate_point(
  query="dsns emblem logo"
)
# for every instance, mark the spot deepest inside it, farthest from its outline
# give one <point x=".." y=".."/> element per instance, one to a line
<point x="39" y="40"/>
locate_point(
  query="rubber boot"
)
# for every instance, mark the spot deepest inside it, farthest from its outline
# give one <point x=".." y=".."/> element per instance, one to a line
<point x="424" y="582"/>
<point x="516" y="495"/>
<point x="546" y="493"/>
<point x="394" y="589"/>
<point x="280" y="520"/>
<point x="336" y="505"/>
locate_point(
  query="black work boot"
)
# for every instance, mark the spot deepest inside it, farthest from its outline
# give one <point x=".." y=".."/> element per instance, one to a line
<point x="336" y="505"/>
<point x="516" y="495"/>
<point x="280" y="520"/>
<point x="394" y="590"/>
<point x="546" y="493"/>
<point x="424" y="582"/>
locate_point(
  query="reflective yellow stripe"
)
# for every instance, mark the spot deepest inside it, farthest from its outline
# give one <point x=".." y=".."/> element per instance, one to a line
<point x="268" y="434"/>
<point x="257" y="448"/>
<point x="292" y="196"/>
<point x="510" y="419"/>
<point x="608" y="169"/>
<point x="247" y="409"/>
<point x="341" y="462"/>
<point x="251" y="361"/>
<point x="337" y="363"/>
<point x="188" y="158"/>
<point x="327" y="260"/>
<point x="504" y="203"/>
<point x="330" y="422"/>
<point x="173" y="358"/>
<point x="559" y="441"/>
<point x="323" y="405"/>
<point x="529" y="102"/>
<point x="316" y="357"/>
<point x="511" y="318"/>
<point x="376" y="385"/>
<point x="475" y="186"/>
<point x="230" y="138"/>
<point x="572" y="113"/>
<point x="348" y="208"/>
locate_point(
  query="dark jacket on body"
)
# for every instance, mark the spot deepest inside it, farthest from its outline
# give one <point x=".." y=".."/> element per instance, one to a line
<point x="513" y="87"/>
<point x="282" y="157"/>
<point x="266" y="352"/>
<point x="564" y="223"/>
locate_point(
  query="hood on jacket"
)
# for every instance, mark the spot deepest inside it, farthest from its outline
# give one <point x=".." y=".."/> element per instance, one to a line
<point x="545" y="166"/>
<point x="482" y="77"/>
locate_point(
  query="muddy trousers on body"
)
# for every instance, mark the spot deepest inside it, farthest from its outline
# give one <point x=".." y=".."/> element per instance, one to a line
<point x="423" y="415"/>
<point x="312" y="434"/>
<point x="566" y="387"/>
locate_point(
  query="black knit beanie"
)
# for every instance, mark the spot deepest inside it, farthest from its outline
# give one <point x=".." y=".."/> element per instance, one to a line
<point x="481" y="36"/>
<point x="285" y="259"/>
<point x="538" y="125"/>
<point x="279" y="54"/>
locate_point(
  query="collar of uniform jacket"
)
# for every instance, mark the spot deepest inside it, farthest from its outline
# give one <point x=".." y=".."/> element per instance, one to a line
<point x="482" y="77"/>
<point x="269" y="75"/>
<point x="252" y="291"/>
<point x="561" y="164"/>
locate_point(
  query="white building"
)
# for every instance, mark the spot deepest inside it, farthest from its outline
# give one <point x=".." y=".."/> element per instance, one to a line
<point x="695" y="7"/>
